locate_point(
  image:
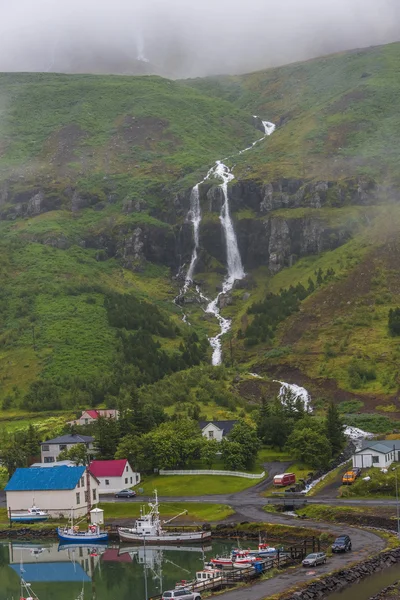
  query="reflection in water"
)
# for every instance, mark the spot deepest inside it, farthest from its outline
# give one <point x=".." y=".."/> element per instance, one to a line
<point x="102" y="572"/>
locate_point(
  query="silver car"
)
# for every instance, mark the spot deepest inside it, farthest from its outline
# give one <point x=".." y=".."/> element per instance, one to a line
<point x="181" y="594"/>
<point x="314" y="559"/>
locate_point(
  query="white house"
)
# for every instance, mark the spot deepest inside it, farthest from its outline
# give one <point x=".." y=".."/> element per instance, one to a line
<point x="57" y="490"/>
<point x="114" y="475"/>
<point x="378" y="453"/>
<point x="216" y="430"/>
<point x="51" y="449"/>
<point x="90" y="416"/>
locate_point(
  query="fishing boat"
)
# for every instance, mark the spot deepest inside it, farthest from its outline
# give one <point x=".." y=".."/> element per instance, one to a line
<point x="71" y="534"/>
<point x="205" y="579"/>
<point x="221" y="562"/>
<point x="149" y="529"/>
<point x="32" y="515"/>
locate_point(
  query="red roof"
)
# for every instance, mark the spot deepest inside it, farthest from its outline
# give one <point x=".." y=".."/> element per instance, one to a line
<point x="108" y="468"/>
<point x="93" y="413"/>
<point x="112" y="555"/>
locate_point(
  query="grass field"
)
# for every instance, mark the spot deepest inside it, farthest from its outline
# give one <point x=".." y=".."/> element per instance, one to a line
<point x="196" y="510"/>
<point x="194" y="485"/>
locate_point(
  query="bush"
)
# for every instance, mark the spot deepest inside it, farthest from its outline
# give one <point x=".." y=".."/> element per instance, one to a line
<point x="360" y="373"/>
<point x="394" y="321"/>
<point x="350" y="406"/>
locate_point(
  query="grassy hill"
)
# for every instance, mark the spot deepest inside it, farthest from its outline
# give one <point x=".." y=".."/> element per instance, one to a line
<point x="95" y="174"/>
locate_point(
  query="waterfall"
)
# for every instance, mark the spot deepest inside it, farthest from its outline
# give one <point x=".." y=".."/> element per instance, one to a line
<point x="235" y="269"/>
<point x="194" y="215"/>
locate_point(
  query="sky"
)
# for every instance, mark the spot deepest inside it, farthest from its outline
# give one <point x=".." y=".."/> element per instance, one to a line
<point x="185" y="38"/>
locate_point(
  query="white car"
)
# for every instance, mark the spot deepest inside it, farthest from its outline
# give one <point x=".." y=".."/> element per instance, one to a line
<point x="314" y="559"/>
<point x="182" y="594"/>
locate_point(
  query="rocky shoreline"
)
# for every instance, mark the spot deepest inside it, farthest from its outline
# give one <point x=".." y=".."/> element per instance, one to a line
<point x="340" y="579"/>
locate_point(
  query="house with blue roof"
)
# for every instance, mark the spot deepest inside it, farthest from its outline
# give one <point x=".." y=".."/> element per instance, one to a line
<point x="59" y="490"/>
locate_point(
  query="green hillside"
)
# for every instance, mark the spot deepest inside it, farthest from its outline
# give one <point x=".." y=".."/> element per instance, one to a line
<point x="95" y="178"/>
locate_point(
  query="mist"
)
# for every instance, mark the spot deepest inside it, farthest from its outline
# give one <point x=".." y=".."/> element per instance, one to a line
<point x="185" y="38"/>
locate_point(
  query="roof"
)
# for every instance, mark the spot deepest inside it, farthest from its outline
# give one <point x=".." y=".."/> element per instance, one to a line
<point x="92" y="413"/>
<point x="382" y="446"/>
<point x="37" y="478"/>
<point x="108" y="468"/>
<point x="112" y="555"/>
<point x="59" y="463"/>
<point x="52" y="571"/>
<point x="226" y="426"/>
<point x="71" y="439"/>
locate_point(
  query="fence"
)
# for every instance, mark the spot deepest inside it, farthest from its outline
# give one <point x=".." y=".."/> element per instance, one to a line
<point x="213" y="472"/>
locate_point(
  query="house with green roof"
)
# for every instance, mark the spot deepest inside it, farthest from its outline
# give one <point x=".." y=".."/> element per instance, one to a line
<point x="377" y="453"/>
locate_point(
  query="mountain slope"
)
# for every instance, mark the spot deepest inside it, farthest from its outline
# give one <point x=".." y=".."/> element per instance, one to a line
<point x="95" y="182"/>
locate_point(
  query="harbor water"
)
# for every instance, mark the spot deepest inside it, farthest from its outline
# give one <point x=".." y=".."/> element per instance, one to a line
<point x="113" y="572"/>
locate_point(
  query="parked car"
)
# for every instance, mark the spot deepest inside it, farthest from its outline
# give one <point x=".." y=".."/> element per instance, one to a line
<point x="357" y="471"/>
<point x="342" y="544"/>
<point x="182" y="594"/>
<point x="284" y="479"/>
<point x="126" y="494"/>
<point x="348" y="478"/>
<point x="314" y="559"/>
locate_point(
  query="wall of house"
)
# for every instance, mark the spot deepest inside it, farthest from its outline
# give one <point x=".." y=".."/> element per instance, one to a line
<point x="116" y="484"/>
<point x="211" y="432"/>
<point x="378" y="459"/>
<point x="56" y="501"/>
<point x="54" y="450"/>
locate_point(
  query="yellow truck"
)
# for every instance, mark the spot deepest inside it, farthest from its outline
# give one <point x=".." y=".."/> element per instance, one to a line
<point x="349" y="477"/>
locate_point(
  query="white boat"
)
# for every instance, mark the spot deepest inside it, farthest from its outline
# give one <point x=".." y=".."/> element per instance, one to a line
<point x="148" y="529"/>
<point x="205" y="579"/>
<point x="32" y="515"/>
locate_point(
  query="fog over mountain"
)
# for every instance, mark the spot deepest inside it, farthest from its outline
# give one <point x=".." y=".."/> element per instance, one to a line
<point x="185" y="38"/>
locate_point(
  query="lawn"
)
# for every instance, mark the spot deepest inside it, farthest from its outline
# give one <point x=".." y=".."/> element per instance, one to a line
<point x="195" y="510"/>
<point x="194" y="485"/>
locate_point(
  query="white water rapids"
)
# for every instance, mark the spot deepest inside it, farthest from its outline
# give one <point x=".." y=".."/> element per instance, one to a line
<point x="235" y="269"/>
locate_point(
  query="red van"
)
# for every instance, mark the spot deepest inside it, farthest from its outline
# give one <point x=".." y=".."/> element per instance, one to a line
<point x="284" y="479"/>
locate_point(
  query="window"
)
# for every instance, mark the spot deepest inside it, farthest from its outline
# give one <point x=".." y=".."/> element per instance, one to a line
<point x="131" y="479"/>
<point x="126" y="468"/>
<point x="87" y="496"/>
<point x="82" y="482"/>
<point x="45" y="448"/>
<point x="107" y="482"/>
<point x="375" y="459"/>
<point x="63" y="447"/>
<point x="211" y="435"/>
<point x="86" y="421"/>
<point x="137" y="477"/>
<point x="94" y="494"/>
<point x="49" y="459"/>
<point x="78" y="498"/>
<point x="126" y="480"/>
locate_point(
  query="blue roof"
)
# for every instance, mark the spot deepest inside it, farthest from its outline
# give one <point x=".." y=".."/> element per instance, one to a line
<point x="52" y="571"/>
<point x="38" y="478"/>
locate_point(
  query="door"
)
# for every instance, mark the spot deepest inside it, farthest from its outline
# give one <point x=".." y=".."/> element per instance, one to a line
<point x="362" y="460"/>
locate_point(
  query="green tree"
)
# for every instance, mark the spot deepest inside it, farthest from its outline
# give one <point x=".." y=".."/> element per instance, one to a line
<point x="233" y="455"/>
<point x="208" y="452"/>
<point x="133" y="448"/>
<point x="12" y="454"/>
<point x="394" y="321"/>
<point x="334" y="429"/>
<point x="106" y="437"/>
<point x="310" y="447"/>
<point x="77" y="453"/>
<point x="246" y="436"/>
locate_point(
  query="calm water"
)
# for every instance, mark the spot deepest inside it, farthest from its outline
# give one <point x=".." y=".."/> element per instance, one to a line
<point x="108" y="573"/>
<point x="370" y="586"/>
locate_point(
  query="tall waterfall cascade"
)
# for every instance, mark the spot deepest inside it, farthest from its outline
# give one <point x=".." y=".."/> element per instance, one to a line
<point x="235" y="271"/>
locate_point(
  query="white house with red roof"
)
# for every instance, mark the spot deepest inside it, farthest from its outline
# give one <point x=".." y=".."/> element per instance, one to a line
<point x="114" y="475"/>
<point x="90" y="416"/>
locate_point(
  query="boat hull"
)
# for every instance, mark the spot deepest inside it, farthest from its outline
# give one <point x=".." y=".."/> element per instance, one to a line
<point x="28" y="518"/>
<point x="82" y="538"/>
<point x="190" y="537"/>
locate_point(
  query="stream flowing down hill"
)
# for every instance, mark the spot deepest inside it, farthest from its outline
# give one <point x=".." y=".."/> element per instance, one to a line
<point x="235" y="271"/>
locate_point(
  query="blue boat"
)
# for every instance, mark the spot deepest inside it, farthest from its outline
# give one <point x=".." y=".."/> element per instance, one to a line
<point x="73" y="535"/>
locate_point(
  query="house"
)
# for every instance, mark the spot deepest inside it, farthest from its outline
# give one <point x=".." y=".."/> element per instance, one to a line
<point x="216" y="430"/>
<point x="50" y="450"/>
<point x="58" y="490"/>
<point x="114" y="475"/>
<point x="90" y="416"/>
<point x="377" y="453"/>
